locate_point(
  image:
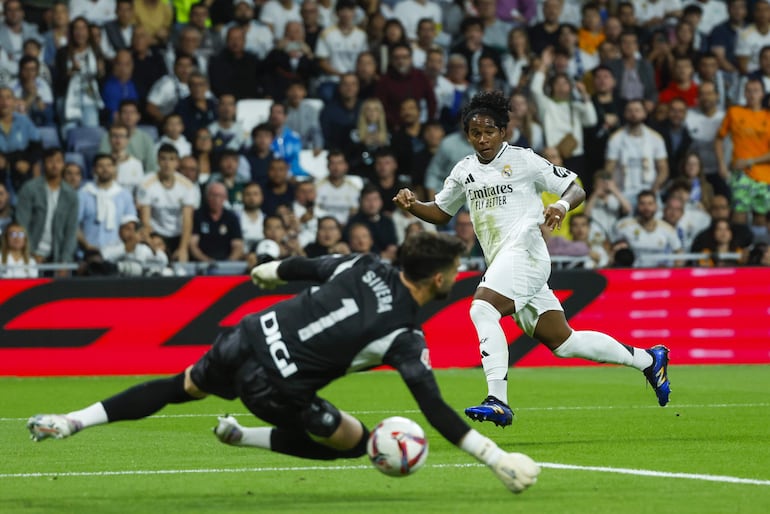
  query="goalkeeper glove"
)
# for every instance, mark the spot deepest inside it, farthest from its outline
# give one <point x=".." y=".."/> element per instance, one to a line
<point x="516" y="471"/>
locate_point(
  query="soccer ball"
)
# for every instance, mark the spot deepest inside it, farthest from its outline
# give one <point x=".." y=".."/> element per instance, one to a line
<point x="397" y="446"/>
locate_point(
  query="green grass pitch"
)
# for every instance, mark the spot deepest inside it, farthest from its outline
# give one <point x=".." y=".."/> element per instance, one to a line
<point x="605" y="446"/>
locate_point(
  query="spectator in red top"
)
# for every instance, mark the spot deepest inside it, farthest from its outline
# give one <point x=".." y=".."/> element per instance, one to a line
<point x="682" y="86"/>
<point x="401" y="82"/>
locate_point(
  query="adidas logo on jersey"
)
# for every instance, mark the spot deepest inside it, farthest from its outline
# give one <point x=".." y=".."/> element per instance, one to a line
<point x="470" y="179"/>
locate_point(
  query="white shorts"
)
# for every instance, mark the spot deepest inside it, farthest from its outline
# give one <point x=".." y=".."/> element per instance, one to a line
<point x="518" y="275"/>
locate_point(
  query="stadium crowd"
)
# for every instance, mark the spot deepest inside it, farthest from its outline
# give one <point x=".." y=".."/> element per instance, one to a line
<point x="139" y="134"/>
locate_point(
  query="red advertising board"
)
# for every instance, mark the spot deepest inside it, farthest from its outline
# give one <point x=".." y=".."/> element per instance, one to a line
<point x="102" y="326"/>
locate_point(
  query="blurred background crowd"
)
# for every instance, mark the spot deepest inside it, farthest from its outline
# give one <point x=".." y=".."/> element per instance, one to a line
<point x="177" y="136"/>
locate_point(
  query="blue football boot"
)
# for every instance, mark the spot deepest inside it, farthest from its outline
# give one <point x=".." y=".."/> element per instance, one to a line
<point x="491" y="409"/>
<point x="657" y="373"/>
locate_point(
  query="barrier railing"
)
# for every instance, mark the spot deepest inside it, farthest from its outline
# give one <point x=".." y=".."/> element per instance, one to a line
<point x="467" y="264"/>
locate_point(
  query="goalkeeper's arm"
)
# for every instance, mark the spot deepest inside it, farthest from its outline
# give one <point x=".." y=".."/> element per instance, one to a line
<point x="515" y="470"/>
<point x="318" y="269"/>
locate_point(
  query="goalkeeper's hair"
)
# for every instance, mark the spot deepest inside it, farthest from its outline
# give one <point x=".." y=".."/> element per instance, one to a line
<point x="489" y="103"/>
<point x="425" y="254"/>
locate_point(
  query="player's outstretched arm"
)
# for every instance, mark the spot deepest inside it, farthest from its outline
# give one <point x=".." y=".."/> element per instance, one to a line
<point x="319" y="269"/>
<point x="515" y="470"/>
<point x="430" y="212"/>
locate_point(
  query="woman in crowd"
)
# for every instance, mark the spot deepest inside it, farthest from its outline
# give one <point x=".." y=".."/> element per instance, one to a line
<point x="79" y="67"/>
<point x="517" y="61"/>
<point x="15" y="261"/>
<point x="723" y="243"/>
<point x="691" y="171"/>
<point x="371" y="133"/>
<point x="328" y="239"/>
<point x="203" y="147"/>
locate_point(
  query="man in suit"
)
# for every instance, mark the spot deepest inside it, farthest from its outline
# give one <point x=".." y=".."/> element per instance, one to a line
<point x="634" y="77"/>
<point x="14" y="30"/>
<point x="676" y="134"/>
<point x="48" y="209"/>
<point x="118" y="33"/>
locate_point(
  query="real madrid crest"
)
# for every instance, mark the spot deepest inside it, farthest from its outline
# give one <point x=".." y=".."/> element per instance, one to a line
<point x="507" y="171"/>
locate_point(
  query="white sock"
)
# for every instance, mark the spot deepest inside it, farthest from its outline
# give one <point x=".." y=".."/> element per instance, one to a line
<point x="90" y="416"/>
<point x="481" y="447"/>
<point x="599" y="347"/>
<point x="493" y="347"/>
<point x="256" y="437"/>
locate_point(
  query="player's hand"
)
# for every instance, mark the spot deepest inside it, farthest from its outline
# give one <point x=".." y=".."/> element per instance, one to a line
<point x="265" y="276"/>
<point x="554" y="216"/>
<point x="516" y="471"/>
<point x="228" y="430"/>
<point x="404" y="199"/>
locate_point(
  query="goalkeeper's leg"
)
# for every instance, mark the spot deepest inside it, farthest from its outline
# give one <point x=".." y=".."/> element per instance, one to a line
<point x="136" y="402"/>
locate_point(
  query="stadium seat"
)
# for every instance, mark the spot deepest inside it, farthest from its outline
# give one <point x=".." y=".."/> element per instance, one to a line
<point x="49" y="137"/>
<point x="151" y="130"/>
<point x="76" y="158"/>
<point x="85" y="140"/>
<point x="314" y="164"/>
<point x="250" y="113"/>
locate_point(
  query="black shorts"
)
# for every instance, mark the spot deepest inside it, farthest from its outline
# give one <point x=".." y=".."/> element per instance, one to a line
<point x="231" y="370"/>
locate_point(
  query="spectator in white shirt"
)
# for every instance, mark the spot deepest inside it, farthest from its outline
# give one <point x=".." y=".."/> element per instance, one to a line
<point x="636" y="154"/>
<point x="276" y="13"/>
<point x="646" y="235"/>
<point x="166" y="203"/>
<point x="703" y="123"/>
<point x="169" y="89"/>
<point x="338" y="48"/>
<point x="97" y="12"/>
<point x="130" y="169"/>
<point x="117" y="33"/>
<point x="259" y="36"/>
<point x="338" y="194"/>
<point x="173" y="134"/>
<point x="14" y="30"/>
<point x="410" y="12"/>
<point x="753" y="38"/>
<point x="251" y="216"/>
<point x="132" y="250"/>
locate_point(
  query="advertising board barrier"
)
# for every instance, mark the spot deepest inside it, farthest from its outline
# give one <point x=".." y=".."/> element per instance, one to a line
<point x="160" y="325"/>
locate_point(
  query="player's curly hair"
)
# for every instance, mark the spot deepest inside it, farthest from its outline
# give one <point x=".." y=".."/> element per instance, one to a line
<point x="489" y="103"/>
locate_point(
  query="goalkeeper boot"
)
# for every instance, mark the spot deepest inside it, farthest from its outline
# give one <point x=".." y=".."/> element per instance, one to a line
<point x="56" y="426"/>
<point x="491" y="409"/>
<point x="657" y="373"/>
<point x="228" y="430"/>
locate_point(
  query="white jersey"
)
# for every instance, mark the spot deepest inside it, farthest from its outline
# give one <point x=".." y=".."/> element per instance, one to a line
<point x="410" y="12"/>
<point x="277" y="16"/>
<point x="703" y="130"/>
<point x="503" y="196"/>
<point x="635" y="158"/>
<point x="341" y="49"/>
<point x="662" y="239"/>
<point x="166" y="203"/>
<point x="130" y="174"/>
<point x="340" y="200"/>
<point x="749" y="42"/>
<point x="252" y="229"/>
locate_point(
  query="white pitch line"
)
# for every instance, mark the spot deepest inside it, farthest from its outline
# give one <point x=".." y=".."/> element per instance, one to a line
<point x="662" y="474"/>
<point x="522" y="409"/>
<point x="551" y="465"/>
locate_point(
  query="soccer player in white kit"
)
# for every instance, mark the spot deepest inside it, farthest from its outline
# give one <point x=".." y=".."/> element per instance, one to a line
<point x="502" y="186"/>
